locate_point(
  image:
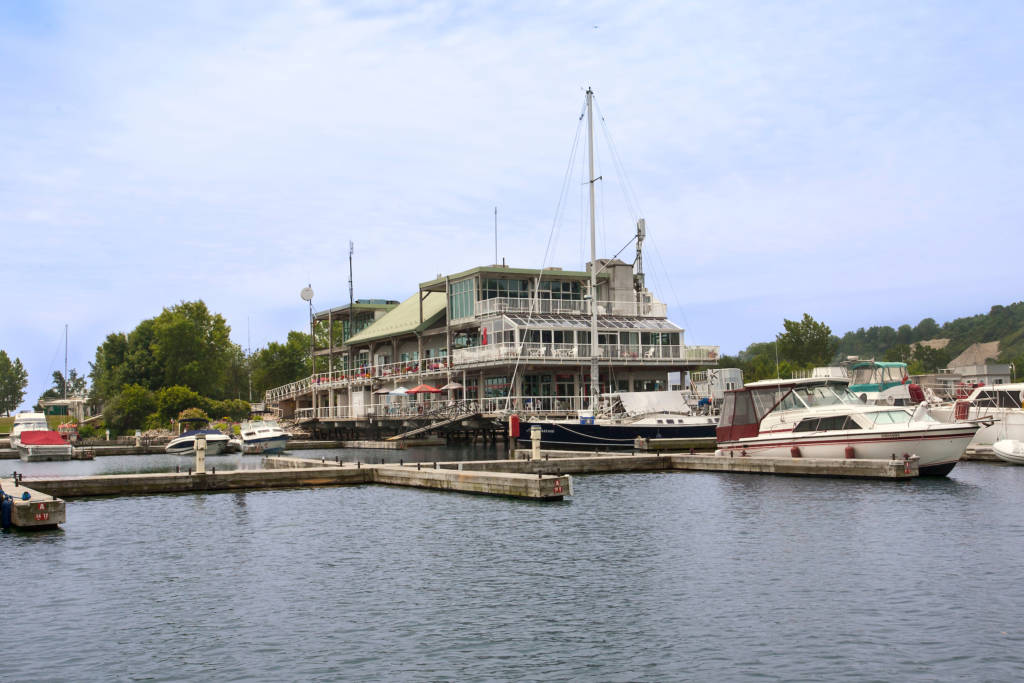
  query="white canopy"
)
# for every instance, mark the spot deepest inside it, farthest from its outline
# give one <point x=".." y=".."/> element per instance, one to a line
<point x="642" y="402"/>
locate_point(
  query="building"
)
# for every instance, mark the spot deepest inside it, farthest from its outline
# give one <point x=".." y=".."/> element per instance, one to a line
<point x="494" y="339"/>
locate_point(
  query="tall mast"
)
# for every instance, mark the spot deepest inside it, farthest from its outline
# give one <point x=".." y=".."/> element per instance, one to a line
<point x="351" y="296"/>
<point x="594" y="377"/>
<point x="65" y="362"/>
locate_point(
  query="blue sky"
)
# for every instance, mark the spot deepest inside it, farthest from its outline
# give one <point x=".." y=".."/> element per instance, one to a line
<point x="856" y="161"/>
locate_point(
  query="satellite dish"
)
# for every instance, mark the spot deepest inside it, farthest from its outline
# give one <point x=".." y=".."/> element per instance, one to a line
<point x="306" y="293"/>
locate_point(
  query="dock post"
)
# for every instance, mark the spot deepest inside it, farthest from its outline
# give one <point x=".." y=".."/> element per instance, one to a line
<point x="535" y="438"/>
<point x="201" y="454"/>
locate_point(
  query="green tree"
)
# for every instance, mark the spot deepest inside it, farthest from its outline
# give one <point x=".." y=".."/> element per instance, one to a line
<point x="13" y="382"/>
<point x="280" y="364"/>
<point x="74" y="383"/>
<point x="808" y="342"/>
<point x="129" y="409"/>
<point x="192" y="347"/>
<point x="171" y="401"/>
<point x="927" y="359"/>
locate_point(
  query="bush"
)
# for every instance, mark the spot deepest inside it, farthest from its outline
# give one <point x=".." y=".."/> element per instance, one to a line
<point x="89" y="431"/>
<point x="231" y="409"/>
<point x="171" y="401"/>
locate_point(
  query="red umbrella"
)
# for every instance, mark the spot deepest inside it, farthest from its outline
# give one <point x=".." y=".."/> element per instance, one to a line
<point x="424" y="389"/>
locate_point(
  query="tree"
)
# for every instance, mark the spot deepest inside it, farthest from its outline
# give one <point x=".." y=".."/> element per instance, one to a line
<point x="13" y="382"/>
<point x="280" y="364"/>
<point x="74" y="383"/>
<point x="129" y="409"/>
<point x="808" y="342"/>
<point x="192" y="347"/>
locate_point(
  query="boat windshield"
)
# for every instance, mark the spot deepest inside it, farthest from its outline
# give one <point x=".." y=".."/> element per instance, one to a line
<point x="825" y="395"/>
<point x="866" y="375"/>
<point x="887" y="417"/>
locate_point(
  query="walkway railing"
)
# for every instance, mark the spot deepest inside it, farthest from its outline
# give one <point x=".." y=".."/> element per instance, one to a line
<point x="496" y="305"/>
<point x="428" y="369"/>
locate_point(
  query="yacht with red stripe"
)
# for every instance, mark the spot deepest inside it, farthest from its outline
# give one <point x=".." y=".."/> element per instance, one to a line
<point x="818" y="417"/>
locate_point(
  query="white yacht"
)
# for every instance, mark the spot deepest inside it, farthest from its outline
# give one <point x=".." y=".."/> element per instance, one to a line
<point x="185" y="443"/>
<point x="822" y="418"/>
<point x="999" y="403"/>
<point x="32" y="437"/>
<point x="263" y="436"/>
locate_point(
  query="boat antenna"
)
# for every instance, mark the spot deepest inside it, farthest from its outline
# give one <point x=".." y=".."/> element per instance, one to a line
<point x="594" y="371"/>
<point x="638" y="276"/>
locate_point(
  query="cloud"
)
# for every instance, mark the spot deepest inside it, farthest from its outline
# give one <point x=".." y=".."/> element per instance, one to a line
<point x="229" y="152"/>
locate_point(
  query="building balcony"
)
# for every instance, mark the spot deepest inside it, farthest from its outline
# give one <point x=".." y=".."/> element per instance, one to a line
<point x="498" y="305"/>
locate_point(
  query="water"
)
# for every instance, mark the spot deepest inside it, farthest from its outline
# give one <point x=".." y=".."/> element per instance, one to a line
<point x="653" y="577"/>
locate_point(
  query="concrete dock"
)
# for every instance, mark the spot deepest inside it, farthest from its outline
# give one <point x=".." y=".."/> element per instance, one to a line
<point x="295" y="472"/>
<point x="27" y="508"/>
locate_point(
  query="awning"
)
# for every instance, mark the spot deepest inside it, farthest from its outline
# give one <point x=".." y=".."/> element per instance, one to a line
<point x="400" y="391"/>
<point x="383" y="390"/>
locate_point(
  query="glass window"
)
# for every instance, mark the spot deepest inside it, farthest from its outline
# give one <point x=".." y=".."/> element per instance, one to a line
<point x="808" y="424"/>
<point x="496" y="387"/>
<point x="1008" y="399"/>
<point x="558" y="289"/>
<point x="461" y="299"/>
<point x="493" y="288"/>
<point x="744" y="409"/>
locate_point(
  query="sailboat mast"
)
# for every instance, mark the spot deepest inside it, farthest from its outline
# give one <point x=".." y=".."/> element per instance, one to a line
<point x="594" y="377"/>
<point x="65" y="361"/>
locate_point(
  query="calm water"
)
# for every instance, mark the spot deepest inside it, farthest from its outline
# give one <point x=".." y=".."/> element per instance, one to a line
<point x="639" y="577"/>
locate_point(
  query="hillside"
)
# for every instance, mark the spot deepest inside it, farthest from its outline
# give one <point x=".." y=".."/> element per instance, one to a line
<point x="1004" y="324"/>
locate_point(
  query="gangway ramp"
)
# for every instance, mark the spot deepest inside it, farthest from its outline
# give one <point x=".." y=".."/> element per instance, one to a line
<point x="433" y="425"/>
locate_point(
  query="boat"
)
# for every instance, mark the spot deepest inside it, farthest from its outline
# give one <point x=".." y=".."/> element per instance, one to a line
<point x="185" y="443"/>
<point x="1009" y="450"/>
<point x="32" y="437"/>
<point x="884" y="383"/>
<point x="263" y="436"/>
<point x="998" y="404"/>
<point x="630" y="414"/>
<point x="822" y="418"/>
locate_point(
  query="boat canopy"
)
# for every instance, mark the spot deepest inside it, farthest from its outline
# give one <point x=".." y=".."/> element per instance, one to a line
<point x="875" y="375"/>
<point x="646" y="402"/>
<point x="744" y="408"/>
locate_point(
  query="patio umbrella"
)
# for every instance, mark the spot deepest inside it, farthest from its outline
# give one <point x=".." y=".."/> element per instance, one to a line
<point x="451" y="386"/>
<point x="383" y="390"/>
<point x="400" y="391"/>
<point x="424" y="389"/>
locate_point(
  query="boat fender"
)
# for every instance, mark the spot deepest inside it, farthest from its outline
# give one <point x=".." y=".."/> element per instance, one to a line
<point x="916" y="393"/>
<point x="795" y="451"/>
<point x="961" y="410"/>
<point x="848" y="452"/>
<point x="26" y="495"/>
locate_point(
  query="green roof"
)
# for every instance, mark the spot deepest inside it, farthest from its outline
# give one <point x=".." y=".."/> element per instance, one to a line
<point x="404" y="318"/>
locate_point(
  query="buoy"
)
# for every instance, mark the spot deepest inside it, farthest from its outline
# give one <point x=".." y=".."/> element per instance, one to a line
<point x="795" y="451"/>
<point x="848" y="452"/>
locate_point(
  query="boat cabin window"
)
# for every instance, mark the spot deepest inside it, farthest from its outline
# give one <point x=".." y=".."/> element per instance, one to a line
<point x="825" y="395"/>
<point x="891" y="417"/>
<point x="671" y="422"/>
<point x="866" y="375"/>
<point x="825" y="424"/>
<point x="985" y="399"/>
<point x="1008" y="399"/>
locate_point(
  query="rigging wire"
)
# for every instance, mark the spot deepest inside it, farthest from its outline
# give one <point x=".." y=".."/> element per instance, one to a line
<point x="547" y="251"/>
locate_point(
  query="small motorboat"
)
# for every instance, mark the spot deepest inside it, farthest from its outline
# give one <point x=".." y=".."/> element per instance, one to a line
<point x="1009" y="450"/>
<point x="32" y="437"/>
<point x="185" y="443"/>
<point x="263" y="436"/>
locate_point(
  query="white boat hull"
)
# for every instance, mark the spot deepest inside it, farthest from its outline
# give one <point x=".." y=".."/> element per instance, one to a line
<point x="187" y="447"/>
<point x="44" y="453"/>
<point x="270" y="445"/>
<point x="938" y="450"/>
<point x="1010" y="450"/>
<point x="1008" y="424"/>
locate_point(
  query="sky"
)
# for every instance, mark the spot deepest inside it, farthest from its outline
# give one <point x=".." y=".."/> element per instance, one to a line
<point x="860" y="162"/>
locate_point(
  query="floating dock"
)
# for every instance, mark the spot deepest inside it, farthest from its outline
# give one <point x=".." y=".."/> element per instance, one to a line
<point x="27" y="508"/>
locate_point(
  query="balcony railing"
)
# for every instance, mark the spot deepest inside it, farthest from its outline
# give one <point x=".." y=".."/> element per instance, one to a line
<point x="484" y="307"/>
<point x="433" y="369"/>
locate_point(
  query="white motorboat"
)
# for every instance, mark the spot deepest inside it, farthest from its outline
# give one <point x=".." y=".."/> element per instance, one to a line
<point x="999" y="403"/>
<point x="821" y="418"/>
<point x="263" y="436"/>
<point x="32" y="437"/>
<point x="185" y="443"/>
<point x="1009" y="450"/>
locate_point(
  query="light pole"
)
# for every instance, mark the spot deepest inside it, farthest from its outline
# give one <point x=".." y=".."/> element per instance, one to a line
<point x="307" y="296"/>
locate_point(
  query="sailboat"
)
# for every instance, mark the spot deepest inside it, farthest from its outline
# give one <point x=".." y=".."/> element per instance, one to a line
<point x="625" y="415"/>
